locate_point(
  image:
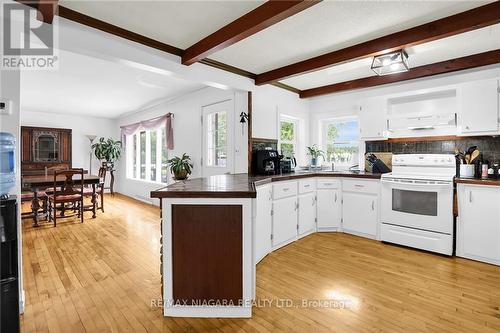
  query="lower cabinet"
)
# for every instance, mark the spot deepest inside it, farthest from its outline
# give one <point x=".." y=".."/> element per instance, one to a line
<point x="263" y="222"/>
<point x="478" y="223"/>
<point x="284" y="221"/>
<point x="360" y="214"/>
<point x="307" y="214"/>
<point x="329" y="209"/>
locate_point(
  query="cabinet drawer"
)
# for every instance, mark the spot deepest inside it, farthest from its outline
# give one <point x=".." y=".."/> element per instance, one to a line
<point x="362" y="186"/>
<point x="328" y="183"/>
<point x="284" y="189"/>
<point x="306" y="186"/>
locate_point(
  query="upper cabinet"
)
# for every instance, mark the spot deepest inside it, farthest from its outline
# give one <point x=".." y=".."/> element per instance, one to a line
<point x="479" y="108"/>
<point x="373" y="119"/>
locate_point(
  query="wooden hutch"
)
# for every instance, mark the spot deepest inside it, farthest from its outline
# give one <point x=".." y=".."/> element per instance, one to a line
<point x="44" y="148"/>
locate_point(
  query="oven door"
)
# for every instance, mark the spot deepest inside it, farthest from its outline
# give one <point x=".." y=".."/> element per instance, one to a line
<point x="425" y="205"/>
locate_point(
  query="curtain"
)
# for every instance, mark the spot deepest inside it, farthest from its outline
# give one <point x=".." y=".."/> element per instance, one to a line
<point x="151" y="125"/>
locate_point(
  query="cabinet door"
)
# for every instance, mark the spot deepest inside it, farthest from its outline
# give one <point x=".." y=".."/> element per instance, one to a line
<point x="373" y="119"/>
<point x="328" y="210"/>
<point x="284" y="221"/>
<point x="479" y="107"/>
<point x="307" y="213"/>
<point x="263" y="222"/>
<point x="479" y="223"/>
<point x="360" y="214"/>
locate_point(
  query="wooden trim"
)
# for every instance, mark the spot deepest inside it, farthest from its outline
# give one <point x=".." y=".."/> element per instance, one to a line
<point x="449" y="26"/>
<point x="286" y="87"/>
<point x="262" y="17"/>
<point x="117" y="31"/>
<point x="46" y="9"/>
<point x="430" y="138"/>
<point x="264" y="140"/>
<point x="250" y="142"/>
<point x="448" y="66"/>
<point x="228" y="68"/>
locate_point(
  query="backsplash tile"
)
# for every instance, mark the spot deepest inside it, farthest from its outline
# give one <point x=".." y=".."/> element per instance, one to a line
<point x="488" y="145"/>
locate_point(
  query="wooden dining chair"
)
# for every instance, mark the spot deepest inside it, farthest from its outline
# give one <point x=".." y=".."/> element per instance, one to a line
<point x="70" y="191"/>
<point x="87" y="191"/>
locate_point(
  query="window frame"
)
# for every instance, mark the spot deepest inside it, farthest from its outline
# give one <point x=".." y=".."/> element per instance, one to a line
<point x="130" y="149"/>
<point x="324" y="123"/>
<point x="295" y="142"/>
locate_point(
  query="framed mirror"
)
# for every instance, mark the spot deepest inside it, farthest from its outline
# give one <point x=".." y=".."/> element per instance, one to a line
<point x="45" y="146"/>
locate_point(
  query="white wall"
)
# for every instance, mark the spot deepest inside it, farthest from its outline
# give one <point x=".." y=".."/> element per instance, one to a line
<point x="268" y="103"/>
<point x="10" y="90"/>
<point x="187" y="135"/>
<point x="80" y="126"/>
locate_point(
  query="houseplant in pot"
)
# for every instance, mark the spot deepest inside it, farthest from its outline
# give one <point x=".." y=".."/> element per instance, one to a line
<point x="108" y="151"/>
<point x="180" y="167"/>
<point x="315" y="153"/>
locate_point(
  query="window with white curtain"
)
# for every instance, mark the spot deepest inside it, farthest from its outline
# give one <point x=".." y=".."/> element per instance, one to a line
<point x="341" y="142"/>
<point x="288" y="138"/>
<point x="147" y="156"/>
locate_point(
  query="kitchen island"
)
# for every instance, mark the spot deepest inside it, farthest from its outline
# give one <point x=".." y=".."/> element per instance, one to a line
<point x="209" y="237"/>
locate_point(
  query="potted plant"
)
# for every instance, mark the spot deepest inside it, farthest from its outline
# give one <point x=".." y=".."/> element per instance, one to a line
<point x="180" y="167"/>
<point x="108" y="151"/>
<point x="314" y="152"/>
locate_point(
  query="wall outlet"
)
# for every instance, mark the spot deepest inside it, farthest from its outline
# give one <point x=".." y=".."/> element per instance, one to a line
<point x="5" y="107"/>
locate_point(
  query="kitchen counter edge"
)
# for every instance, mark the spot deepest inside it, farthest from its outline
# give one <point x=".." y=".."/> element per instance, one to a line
<point x="247" y="188"/>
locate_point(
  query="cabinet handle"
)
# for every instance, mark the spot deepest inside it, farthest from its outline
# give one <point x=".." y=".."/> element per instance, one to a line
<point x="296" y="205"/>
<point x="373" y="204"/>
<point x="335" y="197"/>
<point x="313" y="201"/>
<point x="286" y="189"/>
<point x="467" y="127"/>
<point x="357" y="185"/>
<point x="327" y="184"/>
<point x="470" y="196"/>
<point x="307" y="185"/>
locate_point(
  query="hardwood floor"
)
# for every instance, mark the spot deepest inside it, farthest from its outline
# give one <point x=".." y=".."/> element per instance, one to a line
<point x="103" y="275"/>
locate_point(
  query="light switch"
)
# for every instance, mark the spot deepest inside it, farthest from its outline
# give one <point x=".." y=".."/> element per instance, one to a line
<point x="5" y="107"/>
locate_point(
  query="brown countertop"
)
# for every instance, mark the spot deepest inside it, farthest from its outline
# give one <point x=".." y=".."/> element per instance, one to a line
<point x="474" y="181"/>
<point x="240" y="185"/>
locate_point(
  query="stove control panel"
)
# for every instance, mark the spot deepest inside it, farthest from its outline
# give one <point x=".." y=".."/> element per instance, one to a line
<point x="445" y="160"/>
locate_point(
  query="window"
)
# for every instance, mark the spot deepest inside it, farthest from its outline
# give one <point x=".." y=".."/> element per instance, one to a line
<point x="288" y="137"/>
<point x="341" y="142"/>
<point x="217" y="139"/>
<point x="147" y="156"/>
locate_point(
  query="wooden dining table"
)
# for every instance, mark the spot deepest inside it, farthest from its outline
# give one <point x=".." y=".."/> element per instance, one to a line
<point x="37" y="183"/>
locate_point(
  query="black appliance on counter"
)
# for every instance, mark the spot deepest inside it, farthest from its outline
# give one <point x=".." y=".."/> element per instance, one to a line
<point x="9" y="274"/>
<point x="288" y="165"/>
<point x="266" y="162"/>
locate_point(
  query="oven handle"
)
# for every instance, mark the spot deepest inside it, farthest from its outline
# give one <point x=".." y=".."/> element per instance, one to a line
<point x="422" y="184"/>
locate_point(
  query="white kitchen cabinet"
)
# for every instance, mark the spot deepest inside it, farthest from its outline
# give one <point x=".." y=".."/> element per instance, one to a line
<point x="479" y="108"/>
<point x="263" y="222"/>
<point x="373" y="119"/>
<point x="360" y="214"/>
<point x="328" y="209"/>
<point x="307" y="214"/>
<point x="478" y="223"/>
<point x="284" y="221"/>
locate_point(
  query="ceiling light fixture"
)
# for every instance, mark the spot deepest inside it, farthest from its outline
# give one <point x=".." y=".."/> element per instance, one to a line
<point x="390" y="63"/>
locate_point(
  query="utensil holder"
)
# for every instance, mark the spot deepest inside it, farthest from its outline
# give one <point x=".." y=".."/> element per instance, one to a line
<point x="466" y="170"/>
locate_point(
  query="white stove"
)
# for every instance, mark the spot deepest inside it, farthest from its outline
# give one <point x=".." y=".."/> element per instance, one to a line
<point x="417" y="202"/>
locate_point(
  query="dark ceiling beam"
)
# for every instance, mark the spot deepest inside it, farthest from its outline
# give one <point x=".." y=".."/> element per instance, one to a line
<point x="46" y="9"/>
<point x="260" y="18"/>
<point x="448" y="66"/>
<point x="117" y="31"/>
<point x="452" y="25"/>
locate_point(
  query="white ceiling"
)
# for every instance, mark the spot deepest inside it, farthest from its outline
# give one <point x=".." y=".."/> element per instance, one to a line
<point x="472" y="42"/>
<point x="89" y="86"/>
<point x="332" y="25"/>
<point x="325" y="27"/>
<point x="178" y="23"/>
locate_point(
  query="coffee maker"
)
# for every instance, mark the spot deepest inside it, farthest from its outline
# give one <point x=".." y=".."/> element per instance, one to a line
<point x="266" y="162"/>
